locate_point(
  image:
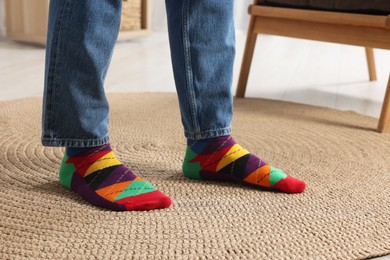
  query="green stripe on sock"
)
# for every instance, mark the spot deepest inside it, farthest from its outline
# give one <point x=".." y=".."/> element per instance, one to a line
<point x="276" y="175"/>
<point x="66" y="173"/>
<point x="191" y="170"/>
<point x="135" y="188"/>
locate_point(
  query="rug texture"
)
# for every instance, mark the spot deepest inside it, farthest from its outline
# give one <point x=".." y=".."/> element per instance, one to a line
<point x="343" y="214"/>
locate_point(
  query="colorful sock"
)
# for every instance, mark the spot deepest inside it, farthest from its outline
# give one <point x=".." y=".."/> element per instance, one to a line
<point x="97" y="175"/>
<point x="223" y="159"/>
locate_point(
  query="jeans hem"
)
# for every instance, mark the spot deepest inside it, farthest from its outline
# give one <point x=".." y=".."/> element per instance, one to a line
<point x="208" y="133"/>
<point x="74" y="142"/>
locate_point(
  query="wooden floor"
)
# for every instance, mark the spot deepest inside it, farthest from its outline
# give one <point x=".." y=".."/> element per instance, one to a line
<point x="302" y="71"/>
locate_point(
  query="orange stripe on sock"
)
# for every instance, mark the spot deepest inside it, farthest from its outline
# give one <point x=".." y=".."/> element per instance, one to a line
<point x="112" y="191"/>
<point x="260" y="176"/>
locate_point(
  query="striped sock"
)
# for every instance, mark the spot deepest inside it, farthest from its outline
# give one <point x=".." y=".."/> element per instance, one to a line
<point x="101" y="179"/>
<point x="223" y="159"/>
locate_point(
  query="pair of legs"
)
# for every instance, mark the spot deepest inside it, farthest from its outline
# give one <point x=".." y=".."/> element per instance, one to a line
<point x="80" y="41"/>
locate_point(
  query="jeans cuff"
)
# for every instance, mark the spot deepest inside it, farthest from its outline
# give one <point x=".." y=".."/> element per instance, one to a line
<point x="58" y="142"/>
<point x="208" y="133"/>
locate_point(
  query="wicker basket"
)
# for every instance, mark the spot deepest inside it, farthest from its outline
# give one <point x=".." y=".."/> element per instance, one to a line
<point x="131" y="19"/>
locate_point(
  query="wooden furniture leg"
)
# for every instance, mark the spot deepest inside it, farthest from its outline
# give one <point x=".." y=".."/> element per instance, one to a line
<point x="371" y="63"/>
<point x="247" y="59"/>
<point x="384" y="120"/>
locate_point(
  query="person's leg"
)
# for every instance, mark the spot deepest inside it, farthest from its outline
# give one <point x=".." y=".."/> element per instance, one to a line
<point x="201" y="34"/>
<point x="202" y="41"/>
<point x="80" y="42"/>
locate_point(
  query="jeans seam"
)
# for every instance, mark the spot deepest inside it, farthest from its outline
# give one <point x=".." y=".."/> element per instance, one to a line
<point x="53" y="71"/>
<point x="188" y="68"/>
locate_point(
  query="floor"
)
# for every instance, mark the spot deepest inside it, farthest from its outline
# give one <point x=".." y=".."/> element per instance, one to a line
<point x="309" y="72"/>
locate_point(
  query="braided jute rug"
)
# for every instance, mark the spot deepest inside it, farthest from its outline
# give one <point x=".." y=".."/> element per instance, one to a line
<point x="343" y="214"/>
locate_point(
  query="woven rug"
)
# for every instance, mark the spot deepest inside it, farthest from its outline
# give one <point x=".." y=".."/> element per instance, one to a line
<point x="343" y="214"/>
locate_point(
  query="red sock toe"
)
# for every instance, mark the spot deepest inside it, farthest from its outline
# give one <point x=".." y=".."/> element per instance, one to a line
<point x="146" y="201"/>
<point x="290" y="185"/>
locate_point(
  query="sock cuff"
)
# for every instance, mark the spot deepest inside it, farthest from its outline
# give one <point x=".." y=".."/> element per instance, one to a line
<point x="209" y="140"/>
<point x="84" y="151"/>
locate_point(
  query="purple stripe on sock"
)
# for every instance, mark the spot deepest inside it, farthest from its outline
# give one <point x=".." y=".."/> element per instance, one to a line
<point x="195" y="146"/>
<point x="79" y="186"/>
<point x="120" y="174"/>
<point x="80" y="152"/>
<point x="253" y="163"/>
<point x="219" y="144"/>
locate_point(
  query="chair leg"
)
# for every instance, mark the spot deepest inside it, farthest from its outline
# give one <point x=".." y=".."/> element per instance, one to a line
<point x="247" y="59"/>
<point x="384" y="120"/>
<point x="371" y="63"/>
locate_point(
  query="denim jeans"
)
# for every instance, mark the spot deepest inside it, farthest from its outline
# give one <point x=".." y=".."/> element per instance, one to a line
<point x="80" y="42"/>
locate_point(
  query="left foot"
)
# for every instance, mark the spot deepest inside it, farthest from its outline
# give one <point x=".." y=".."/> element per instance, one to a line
<point x="100" y="178"/>
<point x="223" y="159"/>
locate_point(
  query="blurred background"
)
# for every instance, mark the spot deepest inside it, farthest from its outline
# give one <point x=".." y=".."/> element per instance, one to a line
<point x="303" y="71"/>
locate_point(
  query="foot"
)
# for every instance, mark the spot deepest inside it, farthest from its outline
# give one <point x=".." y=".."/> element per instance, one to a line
<point x="101" y="179"/>
<point x="223" y="159"/>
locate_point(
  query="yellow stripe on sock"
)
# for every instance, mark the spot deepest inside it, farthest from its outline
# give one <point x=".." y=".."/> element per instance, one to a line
<point x="233" y="154"/>
<point x="107" y="160"/>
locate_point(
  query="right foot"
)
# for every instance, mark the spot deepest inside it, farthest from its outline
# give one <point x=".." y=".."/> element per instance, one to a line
<point x="101" y="179"/>
<point x="222" y="159"/>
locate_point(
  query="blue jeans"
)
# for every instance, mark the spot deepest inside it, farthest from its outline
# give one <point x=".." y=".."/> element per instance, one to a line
<point x="80" y="42"/>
